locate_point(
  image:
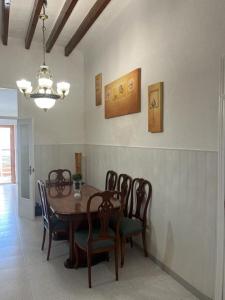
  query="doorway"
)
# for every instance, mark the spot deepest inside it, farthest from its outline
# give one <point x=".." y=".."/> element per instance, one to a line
<point x="7" y="154"/>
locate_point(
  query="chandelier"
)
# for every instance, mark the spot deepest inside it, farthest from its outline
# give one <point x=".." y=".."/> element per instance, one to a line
<point x="44" y="95"/>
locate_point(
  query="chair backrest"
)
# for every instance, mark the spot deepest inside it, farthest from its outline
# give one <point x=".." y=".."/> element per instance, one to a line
<point x="124" y="186"/>
<point x="44" y="202"/>
<point x="109" y="206"/>
<point x="59" y="191"/>
<point x="59" y="177"/>
<point x="141" y="193"/>
<point x="110" y="181"/>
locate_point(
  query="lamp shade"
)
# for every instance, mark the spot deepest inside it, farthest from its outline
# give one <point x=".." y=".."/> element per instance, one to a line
<point x="63" y="88"/>
<point x="44" y="94"/>
<point x="24" y="86"/>
<point x="45" y="83"/>
<point x="44" y="103"/>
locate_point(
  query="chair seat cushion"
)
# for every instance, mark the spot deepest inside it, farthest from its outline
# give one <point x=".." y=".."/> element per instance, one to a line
<point x="130" y="226"/>
<point x="81" y="237"/>
<point x="57" y="225"/>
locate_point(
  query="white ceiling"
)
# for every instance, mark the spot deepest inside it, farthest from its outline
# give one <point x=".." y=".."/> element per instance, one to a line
<point x="21" y="10"/>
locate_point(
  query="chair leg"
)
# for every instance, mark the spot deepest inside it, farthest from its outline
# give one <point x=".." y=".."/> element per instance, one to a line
<point x="89" y="268"/>
<point x="49" y="243"/>
<point x="131" y="242"/>
<point x="116" y="260"/>
<point x="122" y="250"/>
<point x="77" y="256"/>
<point x="144" y="243"/>
<point x="43" y="240"/>
<point x="107" y="257"/>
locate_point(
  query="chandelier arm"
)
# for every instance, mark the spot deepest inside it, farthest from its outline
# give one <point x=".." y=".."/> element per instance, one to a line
<point x="44" y="95"/>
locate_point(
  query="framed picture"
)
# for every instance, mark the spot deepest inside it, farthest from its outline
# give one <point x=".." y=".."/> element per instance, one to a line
<point x="98" y="89"/>
<point x="155" y="107"/>
<point x="123" y="96"/>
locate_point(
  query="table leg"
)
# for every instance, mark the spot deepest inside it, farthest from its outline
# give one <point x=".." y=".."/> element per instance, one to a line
<point x="70" y="262"/>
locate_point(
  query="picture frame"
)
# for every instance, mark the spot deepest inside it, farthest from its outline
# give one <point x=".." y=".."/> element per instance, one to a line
<point x="123" y="95"/>
<point x="155" y="107"/>
<point x="98" y="89"/>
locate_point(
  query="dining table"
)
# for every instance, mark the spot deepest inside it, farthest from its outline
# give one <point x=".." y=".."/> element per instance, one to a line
<point x="71" y="207"/>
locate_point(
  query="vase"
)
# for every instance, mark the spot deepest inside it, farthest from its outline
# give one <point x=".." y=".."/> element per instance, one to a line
<point x="76" y="187"/>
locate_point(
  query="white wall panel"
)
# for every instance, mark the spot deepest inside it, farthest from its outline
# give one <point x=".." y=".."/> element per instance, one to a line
<point x="183" y="213"/>
<point x="50" y="157"/>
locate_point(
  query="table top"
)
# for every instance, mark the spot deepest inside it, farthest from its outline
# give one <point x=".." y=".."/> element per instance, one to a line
<point x="63" y="202"/>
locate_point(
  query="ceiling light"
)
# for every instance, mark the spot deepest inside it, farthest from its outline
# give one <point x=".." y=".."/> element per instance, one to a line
<point x="44" y="95"/>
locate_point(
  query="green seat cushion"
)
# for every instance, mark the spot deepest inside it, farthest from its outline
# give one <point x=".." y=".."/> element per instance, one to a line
<point x="57" y="225"/>
<point x="130" y="226"/>
<point x="81" y="237"/>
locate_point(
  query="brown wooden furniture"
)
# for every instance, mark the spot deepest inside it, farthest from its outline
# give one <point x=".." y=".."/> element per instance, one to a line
<point x="124" y="186"/>
<point x="135" y="223"/>
<point x="99" y="237"/>
<point x="50" y="222"/>
<point x="110" y="180"/>
<point x="74" y="211"/>
<point x="59" y="177"/>
<point x="59" y="191"/>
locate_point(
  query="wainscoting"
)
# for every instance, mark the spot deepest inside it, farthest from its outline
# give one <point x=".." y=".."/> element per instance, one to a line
<point x="183" y="212"/>
<point x="49" y="157"/>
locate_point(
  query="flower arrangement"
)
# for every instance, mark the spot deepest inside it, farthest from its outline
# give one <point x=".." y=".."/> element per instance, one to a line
<point x="77" y="177"/>
<point x="77" y="180"/>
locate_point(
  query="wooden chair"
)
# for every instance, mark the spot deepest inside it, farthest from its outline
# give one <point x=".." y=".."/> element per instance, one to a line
<point x="50" y="222"/>
<point x="111" y="180"/>
<point x="59" y="191"/>
<point x="124" y="186"/>
<point x="135" y="223"/>
<point x="59" y="177"/>
<point x="99" y="237"/>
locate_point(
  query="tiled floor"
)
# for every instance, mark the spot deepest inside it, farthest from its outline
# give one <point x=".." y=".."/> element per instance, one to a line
<point x="26" y="275"/>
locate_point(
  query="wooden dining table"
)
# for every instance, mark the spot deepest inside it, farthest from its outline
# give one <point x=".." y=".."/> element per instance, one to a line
<point x="73" y="210"/>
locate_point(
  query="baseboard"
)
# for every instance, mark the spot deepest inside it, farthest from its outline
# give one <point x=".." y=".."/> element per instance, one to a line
<point x="26" y="208"/>
<point x="179" y="279"/>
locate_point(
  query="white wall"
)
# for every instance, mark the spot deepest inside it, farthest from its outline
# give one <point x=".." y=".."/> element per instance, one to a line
<point x="179" y="42"/>
<point x="8" y="103"/>
<point x="176" y="41"/>
<point x="182" y="221"/>
<point x="63" y="124"/>
<point x="61" y="129"/>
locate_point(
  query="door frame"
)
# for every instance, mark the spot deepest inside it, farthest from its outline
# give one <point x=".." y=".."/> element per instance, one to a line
<point x="220" y="263"/>
<point x="26" y="207"/>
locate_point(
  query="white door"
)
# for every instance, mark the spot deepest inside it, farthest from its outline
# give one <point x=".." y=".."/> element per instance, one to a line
<point x="220" y="262"/>
<point x="26" y="188"/>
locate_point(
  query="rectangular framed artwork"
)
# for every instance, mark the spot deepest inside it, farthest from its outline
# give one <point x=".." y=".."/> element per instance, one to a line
<point x="155" y="107"/>
<point x="98" y="89"/>
<point x="123" y="96"/>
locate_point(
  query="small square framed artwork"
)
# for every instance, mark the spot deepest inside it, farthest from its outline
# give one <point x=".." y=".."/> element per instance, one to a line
<point x="155" y="107"/>
<point x="98" y="89"/>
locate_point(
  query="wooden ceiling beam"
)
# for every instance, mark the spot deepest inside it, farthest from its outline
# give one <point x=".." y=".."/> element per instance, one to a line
<point x="5" y="21"/>
<point x="33" y="22"/>
<point x="60" y="23"/>
<point x="91" y="17"/>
